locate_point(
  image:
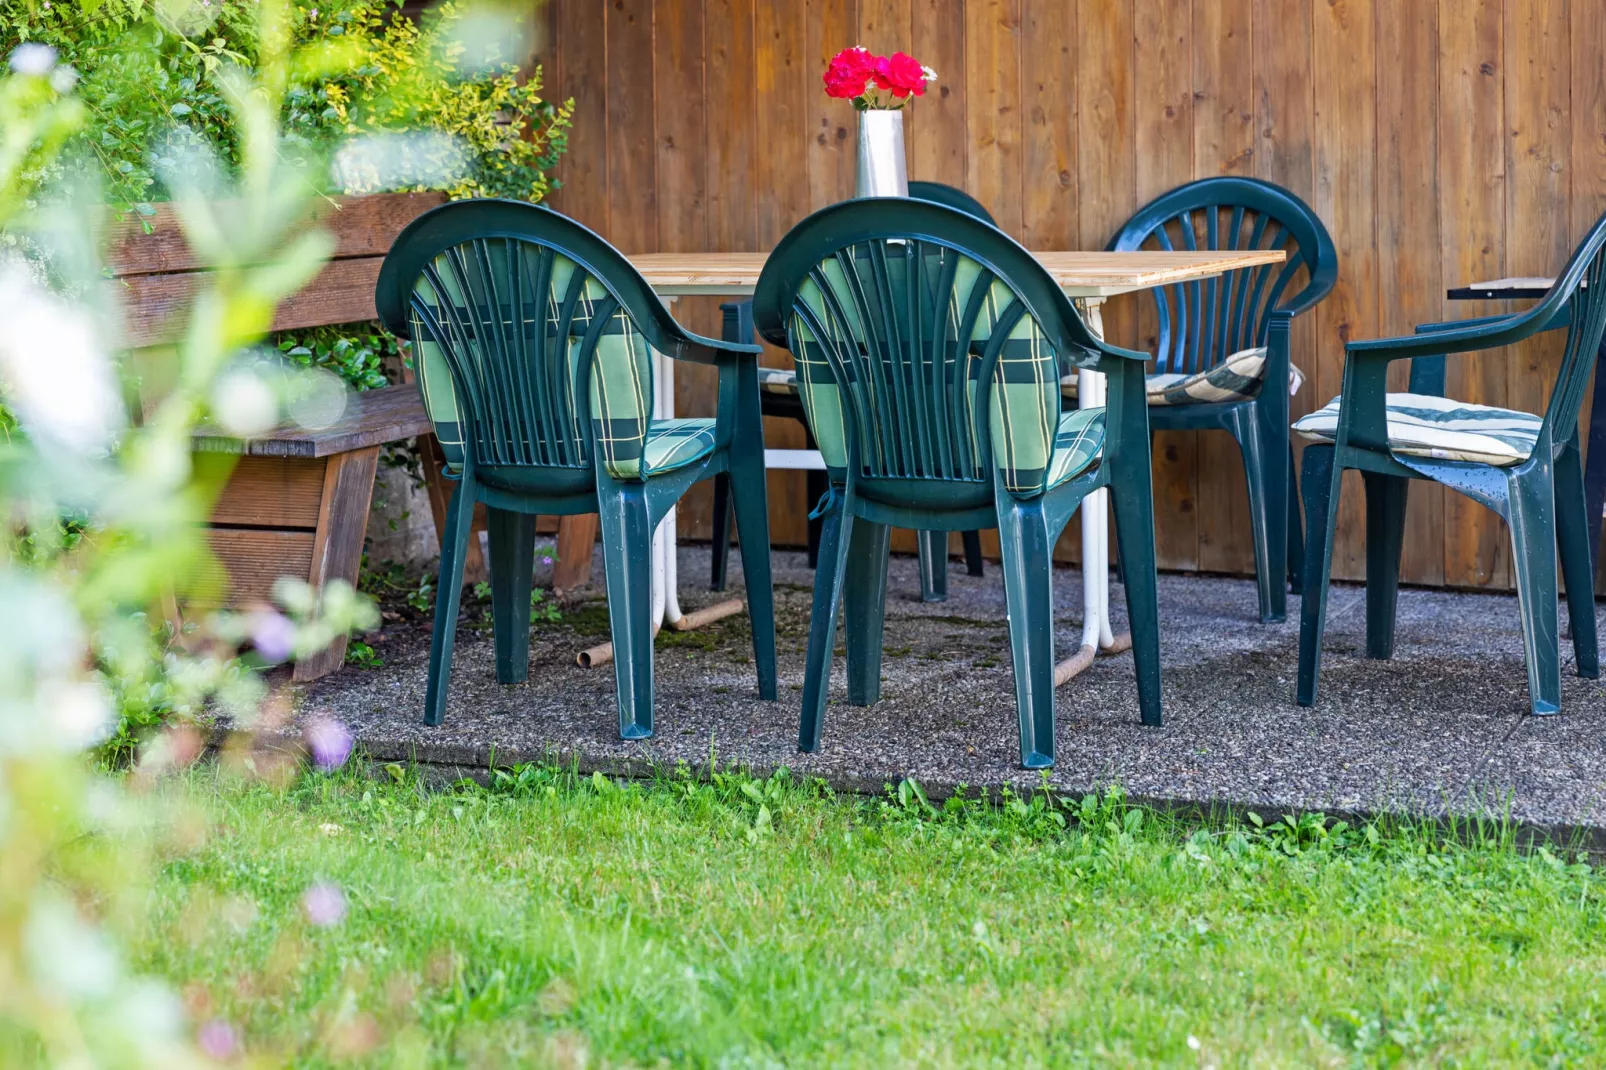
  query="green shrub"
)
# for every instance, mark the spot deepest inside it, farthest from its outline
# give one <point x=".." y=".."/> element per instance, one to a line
<point x="148" y="76"/>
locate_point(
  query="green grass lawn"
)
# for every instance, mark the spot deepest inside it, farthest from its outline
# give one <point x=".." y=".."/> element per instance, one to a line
<point x="557" y="920"/>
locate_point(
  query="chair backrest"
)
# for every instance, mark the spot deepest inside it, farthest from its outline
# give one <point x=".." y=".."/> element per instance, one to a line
<point x="532" y="336"/>
<point x="926" y="343"/>
<point x="1202" y="323"/>
<point x="953" y="197"/>
<point x="1579" y="293"/>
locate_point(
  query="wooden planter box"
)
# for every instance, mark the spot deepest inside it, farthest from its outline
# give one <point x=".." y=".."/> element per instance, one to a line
<point x="296" y="503"/>
<point x="160" y="275"/>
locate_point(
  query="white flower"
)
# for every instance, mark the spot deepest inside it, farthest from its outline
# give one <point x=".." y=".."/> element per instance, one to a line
<point x="33" y="59"/>
<point x="316" y="398"/>
<point x="80" y="710"/>
<point x="244" y="404"/>
<point x="930" y="75"/>
<point x="68" y="956"/>
<point x="63" y="78"/>
<point x="52" y="360"/>
<point x="1193" y="1042"/>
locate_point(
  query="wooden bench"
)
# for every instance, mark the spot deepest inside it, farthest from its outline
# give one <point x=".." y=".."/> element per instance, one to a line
<point x="297" y="501"/>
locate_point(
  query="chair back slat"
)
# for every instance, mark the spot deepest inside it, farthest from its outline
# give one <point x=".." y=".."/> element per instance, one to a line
<point x="1202" y="323"/>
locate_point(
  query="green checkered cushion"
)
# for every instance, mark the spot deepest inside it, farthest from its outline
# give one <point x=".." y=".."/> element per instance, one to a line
<point x="1237" y="378"/>
<point x="1025" y="398"/>
<point x="1077" y="444"/>
<point x="673" y="444"/>
<point x="621" y="372"/>
<point x="778" y="381"/>
<point x="1443" y="429"/>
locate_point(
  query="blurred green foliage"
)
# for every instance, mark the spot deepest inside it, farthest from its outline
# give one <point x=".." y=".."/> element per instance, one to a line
<point x="148" y="78"/>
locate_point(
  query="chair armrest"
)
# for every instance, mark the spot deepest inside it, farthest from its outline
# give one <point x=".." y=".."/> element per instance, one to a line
<point x="696" y="349"/>
<point x="1467" y="336"/>
<point x="1308" y="299"/>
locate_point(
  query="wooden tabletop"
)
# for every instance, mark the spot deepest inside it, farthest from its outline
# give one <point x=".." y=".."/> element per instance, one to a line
<point x="1502" y="289"/>
<point x="1081" y="274"/>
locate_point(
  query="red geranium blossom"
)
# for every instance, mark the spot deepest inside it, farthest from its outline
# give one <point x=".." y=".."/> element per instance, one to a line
<point x="848" y="76"/>
<point x="900" y="74"/>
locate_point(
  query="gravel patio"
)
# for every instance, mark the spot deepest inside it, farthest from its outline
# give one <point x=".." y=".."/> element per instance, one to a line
<point x="1439" y="730"/>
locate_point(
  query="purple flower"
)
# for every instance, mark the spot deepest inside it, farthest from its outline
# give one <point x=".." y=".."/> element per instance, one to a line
<point x="324" y="904"/>
<point x="273" y="635"/>
<point x="330" y="743"/>
<point x="218" y="1040"/>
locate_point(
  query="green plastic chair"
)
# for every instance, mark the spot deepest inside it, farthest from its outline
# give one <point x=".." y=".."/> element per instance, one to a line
<point x="927" y="346"/>
<point x="534" y="343"/>
<point x="779" y="391"/>
<point x="1524" y="467"/>
<point x="1222" y="357"/>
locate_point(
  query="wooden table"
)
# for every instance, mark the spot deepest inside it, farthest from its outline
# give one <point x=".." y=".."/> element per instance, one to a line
<point x="1089" y="276"/>
<point x="1531" y="288"/>
<point x="296" y="502"/>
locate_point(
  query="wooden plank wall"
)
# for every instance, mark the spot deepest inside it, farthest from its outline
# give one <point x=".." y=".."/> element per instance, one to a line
<point x="1441" y="141"/>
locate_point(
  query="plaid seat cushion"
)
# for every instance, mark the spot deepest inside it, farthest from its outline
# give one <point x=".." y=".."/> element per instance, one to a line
<point x="673" y="444"/>
<point x="1077" y="444"/>
<point x="778" y="381"/>
<point x="1237" y="378"/>
<point x="1443" y="429"/>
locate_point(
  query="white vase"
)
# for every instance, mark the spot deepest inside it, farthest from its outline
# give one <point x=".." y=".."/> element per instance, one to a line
<point x="883" y="168"/>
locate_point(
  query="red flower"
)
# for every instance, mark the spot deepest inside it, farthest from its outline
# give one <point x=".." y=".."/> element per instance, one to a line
<point x="901" y="75"/>
<point x="848" y="76"/>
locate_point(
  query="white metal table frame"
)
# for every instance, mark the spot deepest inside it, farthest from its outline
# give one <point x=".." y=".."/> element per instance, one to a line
<point x="1097" y="633"/>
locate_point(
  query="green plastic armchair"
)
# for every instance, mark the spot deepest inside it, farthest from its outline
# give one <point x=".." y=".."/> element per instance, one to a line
<point x="1525" y="467"/>
<point x="534" y="343"/>
<point x="927" y="347"/>
<point x="779" y="391"/>
<point x="1222" y="360"/>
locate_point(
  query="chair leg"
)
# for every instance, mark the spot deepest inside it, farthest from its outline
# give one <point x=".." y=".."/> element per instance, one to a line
<point x="1533" y="558"/>
<point x="1026" y="547"/>
<point x="974" y="565"/>
<point x="627" y="559"/>
<point x="448" y="598"/>
<point x="722" y="532"/>
<point x="1268" y="513"/>
<point x="1296" y="533"/>
<point x="864" y="609"/>
<point x="815" y="485"/>
<point x="835" y="531"/>
<point x="1132" y="495"/>
<point x="512" y="538"/>
<point x="933" y="549"/>
<point x="750" y="495"/>
<point x="1385" y="540"/>
<point x="1319" y="483"/>
<point x="1595" y="469"/>
<point x="1572" y="534"/>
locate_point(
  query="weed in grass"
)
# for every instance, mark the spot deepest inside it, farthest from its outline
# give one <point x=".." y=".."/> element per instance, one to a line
<point x="361" y="655"/>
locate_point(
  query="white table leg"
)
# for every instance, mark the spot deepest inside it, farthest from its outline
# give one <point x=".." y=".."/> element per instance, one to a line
<point x="1096" y="631"/>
